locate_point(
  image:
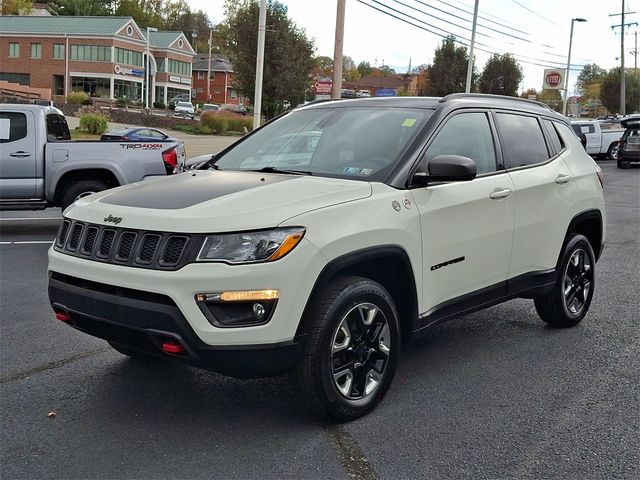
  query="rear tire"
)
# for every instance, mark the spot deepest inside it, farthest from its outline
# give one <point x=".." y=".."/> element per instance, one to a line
<point x="569" y="300"/>
<point x="612" y="153"/>
<point x="351" y="351"/>
<point x="81" y="189"/>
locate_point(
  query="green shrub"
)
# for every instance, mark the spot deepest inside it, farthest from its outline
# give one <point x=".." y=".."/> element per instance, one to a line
<point x="87" y="101"/>
<point x="122" y="102"/>
<point x="92" y="123"/>
<point x="77" y="97"/>
<point x="158" y="104"/>
<point x="205" y="130"/>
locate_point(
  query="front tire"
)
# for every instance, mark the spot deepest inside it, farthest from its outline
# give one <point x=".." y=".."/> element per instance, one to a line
<point x="351" y="351"/>
<point x="569" y="300"/>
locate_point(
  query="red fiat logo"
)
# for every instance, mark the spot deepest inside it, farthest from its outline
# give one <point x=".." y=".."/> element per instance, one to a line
<point x="553" y="79"/>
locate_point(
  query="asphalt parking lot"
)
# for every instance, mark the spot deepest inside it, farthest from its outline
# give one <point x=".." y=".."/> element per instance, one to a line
<point x="495" y="394"/>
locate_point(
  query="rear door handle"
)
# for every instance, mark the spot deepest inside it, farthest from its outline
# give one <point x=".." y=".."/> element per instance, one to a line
<point x="562" y="179"/>
<point x="499" y="193"/>
<point x="20" y="154"/>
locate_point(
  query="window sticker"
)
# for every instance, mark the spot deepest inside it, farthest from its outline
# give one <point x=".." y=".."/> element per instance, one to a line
<point x="409" y="122"/>
<point x="5" y="125"/>
<point x="357" y="171"/>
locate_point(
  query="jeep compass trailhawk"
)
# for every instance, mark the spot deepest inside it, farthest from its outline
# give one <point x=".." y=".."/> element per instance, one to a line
<point x="321" y="242"/>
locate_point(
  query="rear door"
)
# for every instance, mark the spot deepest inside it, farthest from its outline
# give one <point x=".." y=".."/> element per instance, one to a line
<point x="544" y="187"/>
<point x="18" y="155"/>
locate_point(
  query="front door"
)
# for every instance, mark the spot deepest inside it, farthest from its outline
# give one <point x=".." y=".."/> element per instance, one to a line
<point x="467" y="227"/>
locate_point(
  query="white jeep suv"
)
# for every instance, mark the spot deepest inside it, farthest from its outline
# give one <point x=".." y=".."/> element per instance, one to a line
<point x="321" y="242"/>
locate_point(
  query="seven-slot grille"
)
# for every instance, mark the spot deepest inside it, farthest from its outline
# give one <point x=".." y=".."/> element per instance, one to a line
<point x="123" y="246"/>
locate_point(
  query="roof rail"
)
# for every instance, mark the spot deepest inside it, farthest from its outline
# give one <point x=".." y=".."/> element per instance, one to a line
<point x="453" y="96"/>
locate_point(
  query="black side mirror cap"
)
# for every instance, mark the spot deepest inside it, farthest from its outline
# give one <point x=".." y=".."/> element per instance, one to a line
<point x="447" y="168"/>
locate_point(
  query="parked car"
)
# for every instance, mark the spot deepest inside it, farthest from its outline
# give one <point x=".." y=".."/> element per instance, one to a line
<point x="210" y="107"/>
<point x="184" y="109"/>
<point x="379" y="219"/>
<point x="240" y="109"/>
<point x="602" y="137"/>
<point x="363" y="93"/>
<point x="40" y="167"/>
<point x="183" y="97"/>
<point x="629" y="149"/>
<point x="144" y="134"/>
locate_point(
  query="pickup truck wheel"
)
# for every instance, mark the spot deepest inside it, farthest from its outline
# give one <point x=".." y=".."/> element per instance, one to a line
<point x="82" y="189"/>
<point x="612" y="153"/>
<point x="568" y="302"/>
<point x="351" y="350"/>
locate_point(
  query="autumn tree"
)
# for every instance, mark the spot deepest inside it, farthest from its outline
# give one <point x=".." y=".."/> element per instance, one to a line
<point x="324" y="64"/>
<point x="551" y="98"/>
<point x="81" y="7"/>
<point x="365" y="69"/>
<point x="501" y="75"/>
<point x="349" y="70"/>
<point x="610" y="91"/>
<point x="448" y="72"/>
<point x="288" y="54"/>
<point x="591" y="73"/>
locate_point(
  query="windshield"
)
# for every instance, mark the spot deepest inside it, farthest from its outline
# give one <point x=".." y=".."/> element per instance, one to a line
<point x="357" y="142"/>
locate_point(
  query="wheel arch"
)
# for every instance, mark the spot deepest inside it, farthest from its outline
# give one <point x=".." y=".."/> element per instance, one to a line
<point x="74" y="176"/>
<point x="589" y="224"/>
<point x="387" y="265"/>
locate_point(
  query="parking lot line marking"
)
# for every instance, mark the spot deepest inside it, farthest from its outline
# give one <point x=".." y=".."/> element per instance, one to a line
<point x="29" y="242"/>
<point x="24" y="219"/>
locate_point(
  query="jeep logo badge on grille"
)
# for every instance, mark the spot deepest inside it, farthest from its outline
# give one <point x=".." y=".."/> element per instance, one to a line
<point x="112" y="219"/>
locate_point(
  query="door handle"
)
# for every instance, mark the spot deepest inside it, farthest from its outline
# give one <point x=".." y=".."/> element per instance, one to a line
<point x="562" y="179"/>
<point x="20" y="154"/>
<point x="499" y="193"/>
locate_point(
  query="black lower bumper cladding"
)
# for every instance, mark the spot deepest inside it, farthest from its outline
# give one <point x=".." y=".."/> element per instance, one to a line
<point x="143" y="321"/>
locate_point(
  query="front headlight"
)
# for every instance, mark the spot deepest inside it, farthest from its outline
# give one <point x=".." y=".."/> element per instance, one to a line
<point x="250" y="247"/>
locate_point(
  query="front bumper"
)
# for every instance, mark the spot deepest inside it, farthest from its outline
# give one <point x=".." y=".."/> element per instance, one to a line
<point x="143" y="321"/>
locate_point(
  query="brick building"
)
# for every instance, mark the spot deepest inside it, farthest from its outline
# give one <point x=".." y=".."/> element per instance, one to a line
<point x="221" y="89"/>
<point x="102" y="56"/>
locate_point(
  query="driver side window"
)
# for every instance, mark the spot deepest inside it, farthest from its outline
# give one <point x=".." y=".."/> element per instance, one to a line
<point x="468" y="135"/>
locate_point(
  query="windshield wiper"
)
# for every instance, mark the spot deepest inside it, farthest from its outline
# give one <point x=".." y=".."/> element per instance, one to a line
<point x="272" y="169"/>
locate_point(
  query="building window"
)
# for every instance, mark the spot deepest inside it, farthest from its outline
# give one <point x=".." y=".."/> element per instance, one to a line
<point x="91" y="53"/>
<point x="58" y="50"/>
<point x="36" y="50"/>
<point x="129" y="30"/>
<point x="180" y="68"/>
<point x="95" y="87"/>
<point x="233" y="94"/>
<point x="126" y="89"/>
<point x="14" y="50"/>
<point x="128" y="57"/>
<point x="201" y="75"/>
<point x="19" y="78"/>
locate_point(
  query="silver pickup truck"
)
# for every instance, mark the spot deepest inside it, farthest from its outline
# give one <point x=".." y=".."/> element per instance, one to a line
<point x="40" y="167"/>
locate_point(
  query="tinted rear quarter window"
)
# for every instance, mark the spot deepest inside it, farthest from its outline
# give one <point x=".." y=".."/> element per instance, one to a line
<point x="556" y="142"/>
<point x="522" y="140"/>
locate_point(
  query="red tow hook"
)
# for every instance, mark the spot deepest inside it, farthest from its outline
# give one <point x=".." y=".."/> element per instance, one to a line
<point x="172" y="347"/>
<point x="63" y="316"/>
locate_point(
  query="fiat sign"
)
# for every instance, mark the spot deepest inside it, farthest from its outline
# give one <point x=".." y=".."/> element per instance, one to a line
<point x="553" y="79"/>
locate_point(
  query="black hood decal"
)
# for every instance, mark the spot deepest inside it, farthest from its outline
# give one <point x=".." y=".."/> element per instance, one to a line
<point x="189" y="189"/>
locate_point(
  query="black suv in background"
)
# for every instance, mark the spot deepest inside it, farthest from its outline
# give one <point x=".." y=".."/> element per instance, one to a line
<point x="629" y="147"/>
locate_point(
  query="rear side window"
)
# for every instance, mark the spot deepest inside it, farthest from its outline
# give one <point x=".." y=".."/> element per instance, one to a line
<point x="57" y="128"/>
<point x="522" y="140"/>
<point x="13" y="126"/>
<point x="556" y="142"/>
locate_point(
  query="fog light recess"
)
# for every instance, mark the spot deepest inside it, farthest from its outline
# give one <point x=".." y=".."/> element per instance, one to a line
<point x="238" y="308"/>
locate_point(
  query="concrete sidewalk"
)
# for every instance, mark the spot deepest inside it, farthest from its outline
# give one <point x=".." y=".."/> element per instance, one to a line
<point x="195" y="145"/>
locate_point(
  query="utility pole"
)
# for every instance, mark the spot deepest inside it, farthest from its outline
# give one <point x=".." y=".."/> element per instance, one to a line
<point x="257" y="97"/>
<point x="336" y="90"/>
<point x="623" y="79"/>
<point x="467" y="87"/>
<point x="209" y="68"/>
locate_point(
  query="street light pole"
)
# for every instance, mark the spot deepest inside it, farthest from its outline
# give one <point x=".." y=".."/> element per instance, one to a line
<point x="147" y="74"/>
<point x="209" y="67"/>
<point x="567" y="73"/>
<point x="257" y="100"/>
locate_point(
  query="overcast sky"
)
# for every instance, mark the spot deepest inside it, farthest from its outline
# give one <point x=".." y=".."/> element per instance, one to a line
<point x="535" y="31"/>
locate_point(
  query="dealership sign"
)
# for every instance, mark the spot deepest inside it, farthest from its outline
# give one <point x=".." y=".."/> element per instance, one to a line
<point x="136" y="72"/>
<point x="322" y="88"/>
<point x="553" y="78"/>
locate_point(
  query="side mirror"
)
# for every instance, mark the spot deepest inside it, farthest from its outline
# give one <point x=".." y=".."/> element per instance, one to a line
<point x="446" y="168"/>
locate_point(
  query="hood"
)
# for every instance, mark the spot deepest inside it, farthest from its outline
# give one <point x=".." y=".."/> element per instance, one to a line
<point x="209" y="200"/>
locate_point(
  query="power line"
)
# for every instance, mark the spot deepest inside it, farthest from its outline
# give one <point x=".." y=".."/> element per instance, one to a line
<point x="484" y="18"/>
<point x="518" y="57"/>
<point x="459" y="36"/>
<point x="535" y="13"/>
